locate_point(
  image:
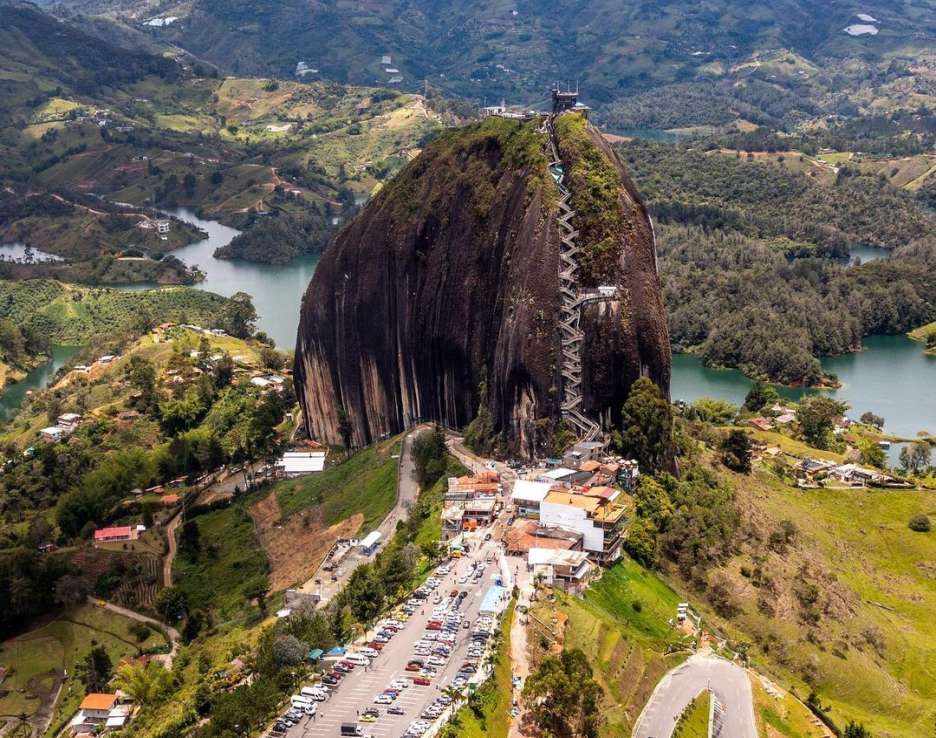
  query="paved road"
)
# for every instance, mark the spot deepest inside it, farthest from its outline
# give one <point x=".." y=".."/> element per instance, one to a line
<point x="407" y="492"/>
<point x="357" y="690"/>
<point x="728" y="681"/>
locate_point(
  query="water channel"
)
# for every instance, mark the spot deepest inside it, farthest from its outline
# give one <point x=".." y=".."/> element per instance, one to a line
<point x="892" y="377"/>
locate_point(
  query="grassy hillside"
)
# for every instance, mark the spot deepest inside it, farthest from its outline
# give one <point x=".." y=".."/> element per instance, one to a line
<point x="149" y="130"/>
<point x="621" y="622"/>
<point x="366" y="483"/>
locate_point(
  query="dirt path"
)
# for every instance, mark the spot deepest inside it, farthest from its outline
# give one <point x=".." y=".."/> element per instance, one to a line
<point x="170" y="632"/>
<point x="173" y="547"/>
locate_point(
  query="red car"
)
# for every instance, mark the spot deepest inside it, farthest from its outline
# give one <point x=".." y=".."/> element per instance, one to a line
<point x="413" y="667"/>
<point x="376" y="645"/>
<point x="453" y="593"/>
<point x="347" y="664"/>
<point x="434" y="625"/>
<point x="421" y="681"/>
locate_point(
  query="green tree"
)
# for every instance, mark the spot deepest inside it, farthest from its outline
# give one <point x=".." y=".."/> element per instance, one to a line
<point x="869" y="418"/>
<point x="146" y="683"/>
<point x="872" y="454"/>
<point x="172" y="604"/>
<point x="647" y="426"/>
<point x="140" y="374"/>
<point x="920" y="523"/>
<point x="271" y="358"/>
<point x="856" y="730"/>
<point x="563" y="697"/>
<point x="816" y="416"/>
<point x="760" y="396"/>
<point x="708" y="410"/>
<point x="190" y="539"/>
<point x="95" y="669"/>
<point x="915" y="458"/>
<point x="736" y="451"/>
<point x="238" y="316"/>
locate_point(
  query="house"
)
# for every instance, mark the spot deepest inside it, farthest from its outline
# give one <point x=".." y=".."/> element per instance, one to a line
<point x="858" y="476"/>
<point x="98" y="712"/>
<point x="260" y="382"/>
<point x="118" y="534"/>
<point x="106" y="359"/>
<point x="170" y="500"/>
<point x="785" y="418"/>
<point x="162" y="226"/>
<point x="127" y="416"/>
<point x="568" y="570"/>
<point x="584" y="451"/>
<point x="563" y="476"/>
<point x="600" y="521"/>
<point x="524" y="535"/>
<point x="52" y="434"/>
<point x="68" y="421"/>
<point x="760" y="423"/>
<point x="299" y="463"/>
<point x="526" y="497"/>
<point x="386" y="59"/>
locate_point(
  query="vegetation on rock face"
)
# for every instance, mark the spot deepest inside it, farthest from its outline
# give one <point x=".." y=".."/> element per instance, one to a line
<point x="596" y="191"/>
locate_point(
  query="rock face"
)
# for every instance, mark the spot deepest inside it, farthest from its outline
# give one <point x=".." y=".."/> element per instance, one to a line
<point x="441" y="298"/>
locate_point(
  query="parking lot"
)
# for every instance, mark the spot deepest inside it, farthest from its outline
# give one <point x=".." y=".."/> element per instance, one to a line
<point x="354" y="695"/>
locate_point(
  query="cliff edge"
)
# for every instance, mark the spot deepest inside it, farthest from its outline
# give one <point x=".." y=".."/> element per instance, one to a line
<point x="440" y="300"/>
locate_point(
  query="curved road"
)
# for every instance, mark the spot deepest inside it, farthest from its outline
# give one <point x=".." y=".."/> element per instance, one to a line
<point x="728" y="681"/>
<point x="171" y="633"/>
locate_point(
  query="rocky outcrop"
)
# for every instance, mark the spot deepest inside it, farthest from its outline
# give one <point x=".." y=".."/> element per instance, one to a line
<point x="441" y="298"/>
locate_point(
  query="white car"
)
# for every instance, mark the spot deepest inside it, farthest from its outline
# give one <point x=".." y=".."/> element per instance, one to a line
<point x="436" y="661"/>
<point x="399" y="684"/>
<point x="463" y="579"/>
<point x="371" y="653"/>
<point x="383" y="699"/>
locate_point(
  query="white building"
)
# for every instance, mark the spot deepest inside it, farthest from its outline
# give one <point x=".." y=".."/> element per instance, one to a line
<point x="370" y="542"/>
<point x="68" y="421"/>
<point x="300" y="463"/>
<point x="567" y="569"/>
<point x="52" y="434"/>
<point x="162" y="226"/>
<point x="527" y="496"/>
<point x="560" y="475"/>
<point x="599" y="520"/>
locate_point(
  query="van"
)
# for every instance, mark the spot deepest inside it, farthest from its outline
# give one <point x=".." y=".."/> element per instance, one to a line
<point x="357" y="659"/>
<point x="351" y="729"/>
<point x="300" y="701"/>
<point x="315" y="693"/>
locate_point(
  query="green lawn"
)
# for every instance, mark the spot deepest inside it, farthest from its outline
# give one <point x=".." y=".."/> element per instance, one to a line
<point x="695" y="718"/>
<point x="366" y="483"/>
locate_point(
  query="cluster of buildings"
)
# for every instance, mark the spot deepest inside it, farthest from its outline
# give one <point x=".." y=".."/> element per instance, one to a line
<point x="812" y="472"/>
<point x="567" y="517"/>
<point x="65" y="425"/>
<point x="471" y="502"/>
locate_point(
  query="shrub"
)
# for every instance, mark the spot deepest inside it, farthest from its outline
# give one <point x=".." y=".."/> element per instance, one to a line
<point x="920" y="523"/>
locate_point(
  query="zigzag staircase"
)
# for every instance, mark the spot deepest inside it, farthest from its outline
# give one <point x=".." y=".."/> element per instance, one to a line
<point x="570" y="305"/>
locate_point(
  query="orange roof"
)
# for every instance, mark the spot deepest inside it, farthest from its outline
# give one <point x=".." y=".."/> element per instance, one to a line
<point x="605" y="492"/>
<point x="98" y="701"/>
<point x="589" y="466"/>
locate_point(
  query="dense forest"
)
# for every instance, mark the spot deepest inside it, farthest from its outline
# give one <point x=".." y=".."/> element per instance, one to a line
<point x="766" y="200"/>
<point x="738" y="246"/>
<point x="741" y="303"/>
